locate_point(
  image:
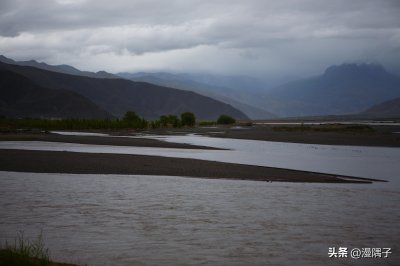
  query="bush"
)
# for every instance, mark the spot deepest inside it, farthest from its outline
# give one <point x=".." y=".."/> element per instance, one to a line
<point x="225" y="120"/>
<point x="188" y="119"/>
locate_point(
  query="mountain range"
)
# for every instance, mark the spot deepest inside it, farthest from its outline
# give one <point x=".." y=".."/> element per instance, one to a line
<point x="117" y="96"/>
<point x="204" y="84"/>
<point x="233" y="96"/>
<point x="20" y="97"/>
<point x="343" y="89"/>
<point x="340" y="90"/>
<point x="66" y="69"/>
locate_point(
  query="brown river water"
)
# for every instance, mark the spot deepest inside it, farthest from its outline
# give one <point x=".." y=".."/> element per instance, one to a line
<point x="164" y="220"/>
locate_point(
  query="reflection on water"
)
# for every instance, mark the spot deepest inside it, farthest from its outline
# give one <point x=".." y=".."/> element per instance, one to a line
<point x="155" y="220"/>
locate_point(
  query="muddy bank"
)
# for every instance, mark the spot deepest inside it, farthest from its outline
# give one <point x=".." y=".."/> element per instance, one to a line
<point x="85" y="163"/>
<point x="382" y="136"/>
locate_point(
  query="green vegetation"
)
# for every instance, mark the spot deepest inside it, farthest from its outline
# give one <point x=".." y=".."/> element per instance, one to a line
<point x="132" y="120"/>
<point x="188" y="119"/>
<point x="225" y="120"/>
<point x="24" y="252"/>
<point x="207" y="123"/>
<point x="326" y="128"/>
<point x="27" y="253"/>
<point x="70" y="124"/>
<point x="129" y="121"/>
<point x="167" y="121"/>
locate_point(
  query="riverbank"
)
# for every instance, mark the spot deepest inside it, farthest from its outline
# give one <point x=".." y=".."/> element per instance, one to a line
<point x="385" y="135"/>
<point x="96" y="163"/>
<point x="382" y="135"/>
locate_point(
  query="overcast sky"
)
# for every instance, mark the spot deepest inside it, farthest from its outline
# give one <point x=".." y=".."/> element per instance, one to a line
<point x="251" y="37"/>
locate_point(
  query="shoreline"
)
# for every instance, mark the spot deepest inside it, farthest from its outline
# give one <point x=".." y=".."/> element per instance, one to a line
<point x="382" y="137"/>
<point x="96" y="163"/>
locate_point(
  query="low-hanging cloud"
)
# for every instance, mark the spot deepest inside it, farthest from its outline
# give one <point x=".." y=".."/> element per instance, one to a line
<point x="249" y="37"/>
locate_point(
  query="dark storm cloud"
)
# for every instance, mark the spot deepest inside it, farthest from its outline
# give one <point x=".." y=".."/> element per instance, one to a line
<point x="235" y="36"/>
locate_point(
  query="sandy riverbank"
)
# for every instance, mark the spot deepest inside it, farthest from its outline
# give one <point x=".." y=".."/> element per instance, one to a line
<point x="85" y="163"/>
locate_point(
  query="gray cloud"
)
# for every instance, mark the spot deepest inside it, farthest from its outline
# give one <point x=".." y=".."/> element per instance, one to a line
<point x="253" y="37"/>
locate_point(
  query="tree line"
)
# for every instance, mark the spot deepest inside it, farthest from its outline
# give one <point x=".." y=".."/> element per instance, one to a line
<point x="129" y="120"/>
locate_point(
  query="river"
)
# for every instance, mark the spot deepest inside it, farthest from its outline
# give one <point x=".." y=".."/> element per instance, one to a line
<point x="164" y="220"/>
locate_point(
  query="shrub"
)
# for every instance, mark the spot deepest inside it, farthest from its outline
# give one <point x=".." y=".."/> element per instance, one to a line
<point x="225" y="120"/>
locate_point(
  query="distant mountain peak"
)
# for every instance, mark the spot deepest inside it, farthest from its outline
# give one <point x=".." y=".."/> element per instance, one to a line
<point x="355" y="69"/>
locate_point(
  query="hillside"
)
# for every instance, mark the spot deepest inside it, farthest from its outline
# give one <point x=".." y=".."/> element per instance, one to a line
<point x="226" y="95"/>
<point x="387" y="109"/>
<point x="20" y="97"/>
<point x="344" y="89"/>
<point x="118" y="96"/>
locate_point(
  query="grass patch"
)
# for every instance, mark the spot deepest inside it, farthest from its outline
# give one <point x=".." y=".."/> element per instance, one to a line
<point x="326" y="128"/>
<point x="26" y="253"/>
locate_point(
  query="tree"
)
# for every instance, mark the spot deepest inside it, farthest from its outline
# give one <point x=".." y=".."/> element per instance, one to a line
<point x="188" y="119"/>
<point x="225" y="120"/>
<point x="174" y="120"/>
<point x="131" y="117"/>
<point x="163" y="121"/>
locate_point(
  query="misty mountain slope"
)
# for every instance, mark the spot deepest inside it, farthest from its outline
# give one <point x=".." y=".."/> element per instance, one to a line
<point x="20" y="97"/>
<point x="344" y="89"/>
<point x="222" y="94"/>
<point x="118" y="96"/>
<point x="389" y="108"/>
<point x="234" y="83"/>
<point x="66" y="69"/>
<point x="179" y="80"/>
